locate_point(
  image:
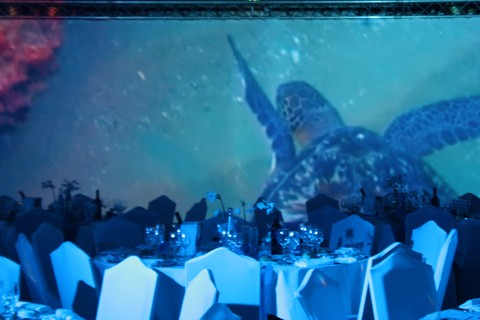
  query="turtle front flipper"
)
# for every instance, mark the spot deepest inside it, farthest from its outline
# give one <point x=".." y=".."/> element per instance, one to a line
<point x="432" y="127"/>
<point x="277" y="129"/>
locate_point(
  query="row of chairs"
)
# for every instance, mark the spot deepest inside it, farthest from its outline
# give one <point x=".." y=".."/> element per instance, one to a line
<point x="385" y="282"/>
<point x="124" y="296"/>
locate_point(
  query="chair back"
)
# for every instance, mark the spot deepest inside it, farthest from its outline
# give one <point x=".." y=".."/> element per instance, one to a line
<point x="141" y="216"/>
<point x="115" y="233"/>
<point x="200" y="295"/>
<point x="402" y="288"/>
<point x="71" y="265"/>
<point x="324" y="217"/>
<point x="9" y="271"/>
<point x="319" y="201"/>
<point x="127" y="292"/>
<point x="237" y="277"/>
<point x="353" y="232"/>
<point x="164" y="208"/>
<point x="415" y="219"/>
<point x="28" y="222"/>
<point x="428" y="239"/>
<point x="220" y="311"/>
<point x="45" y="240"/>
<point x="320" y="296"/>
<point x="197" y="212"/>
<point x="34" y="275"/>
<point x="444" y="264"/>
<point x="365" y="309"/>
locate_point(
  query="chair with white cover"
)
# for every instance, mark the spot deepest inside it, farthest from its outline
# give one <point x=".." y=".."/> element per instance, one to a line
<point x="115" y="233"/>
<point x="353" y="232"/>
<point x="45" y="240"/>
<point x="428" y="240"/>
<point x="71" y="265"/>
<point x="402" y="288"/>
<point x="128" y="291"/>
<point x="34" y="275"/>
<point x="236" y="277"/>
<point x="444" y="264"/>
<point x="415" y="219"/>
<point x="220" y="311"/>
<point x="320" y="297"/>
<point x="365" y="309"/>
<point x="200" y="295"/>
<point x="9" y="271"/>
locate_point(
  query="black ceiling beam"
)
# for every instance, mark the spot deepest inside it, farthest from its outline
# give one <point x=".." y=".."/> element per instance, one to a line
<point x="235" y="10"/>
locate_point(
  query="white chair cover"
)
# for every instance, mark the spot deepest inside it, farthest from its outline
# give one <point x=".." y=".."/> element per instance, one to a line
<point x="9" y="271"/>
<point x="320" y="296"/>
<point x="354" y="232"/>
<point x="444" y="264"/>
<point x="415" y="219"/>
<point x="192" y="230"/>
<point x="115" y="233"/>
<point x="428" y="239"/>
<point x="365" y="309"/>
<point x="220" y="311"/>
<point x="45" y="240"/>
<point x="34" y="276"/>
<point x="200" y="295"/>
<point x="70" y="265"/>
<point x="402" y="288"/>
<point x="237" y="277"/>
<point x="128" y="291"/>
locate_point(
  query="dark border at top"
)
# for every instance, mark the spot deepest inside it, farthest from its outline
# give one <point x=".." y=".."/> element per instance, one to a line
<point x="234" y="10"/>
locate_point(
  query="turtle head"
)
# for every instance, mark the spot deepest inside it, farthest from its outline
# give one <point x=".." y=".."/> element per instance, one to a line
<point x="306" y="111"/>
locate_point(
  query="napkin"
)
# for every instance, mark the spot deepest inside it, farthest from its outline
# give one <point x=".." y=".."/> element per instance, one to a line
<point x="471" y="305"/>
<point x="38" y="308"/>
<point x="67" y="314"/>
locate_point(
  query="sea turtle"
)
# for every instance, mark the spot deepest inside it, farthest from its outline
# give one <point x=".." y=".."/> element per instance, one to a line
<point x="338" y="160"/>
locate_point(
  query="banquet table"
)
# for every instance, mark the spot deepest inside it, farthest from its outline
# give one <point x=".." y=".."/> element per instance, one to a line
<point x="278" y="281"/>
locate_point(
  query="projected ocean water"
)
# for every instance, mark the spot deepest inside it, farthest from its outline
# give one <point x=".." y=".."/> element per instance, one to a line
<point x="138" y="109"/>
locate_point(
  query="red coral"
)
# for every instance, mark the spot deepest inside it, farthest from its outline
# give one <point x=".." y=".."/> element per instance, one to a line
<point x="27" y="50"/>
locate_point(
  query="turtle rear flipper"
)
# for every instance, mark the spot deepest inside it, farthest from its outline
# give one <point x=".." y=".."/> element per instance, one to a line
<point x="277" y="129"/>
<point x="432" y="127"/>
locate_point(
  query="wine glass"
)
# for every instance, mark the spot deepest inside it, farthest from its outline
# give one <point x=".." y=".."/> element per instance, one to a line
<point x="174" y="241"/>
<point x="184" y="242"/>
<point x="293" y="242"/>
<point x="282" y="238"/>
<point x="149" y="237"/>
<point x="303" y="233"/>
<point x="316" y="238"/>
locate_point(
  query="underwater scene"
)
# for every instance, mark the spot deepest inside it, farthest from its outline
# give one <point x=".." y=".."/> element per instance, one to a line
<point x="284" y="109"/>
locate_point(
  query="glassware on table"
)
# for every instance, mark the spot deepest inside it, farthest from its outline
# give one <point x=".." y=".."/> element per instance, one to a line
<point x="315" y="239"/>
<point x="293" y="242"/>
<point x="154" y="236"/>
<point x="178" y="240"/>
<point x="9" y="296"/>
<point x="304" y="236"/>
<point x="283" y="240"/>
